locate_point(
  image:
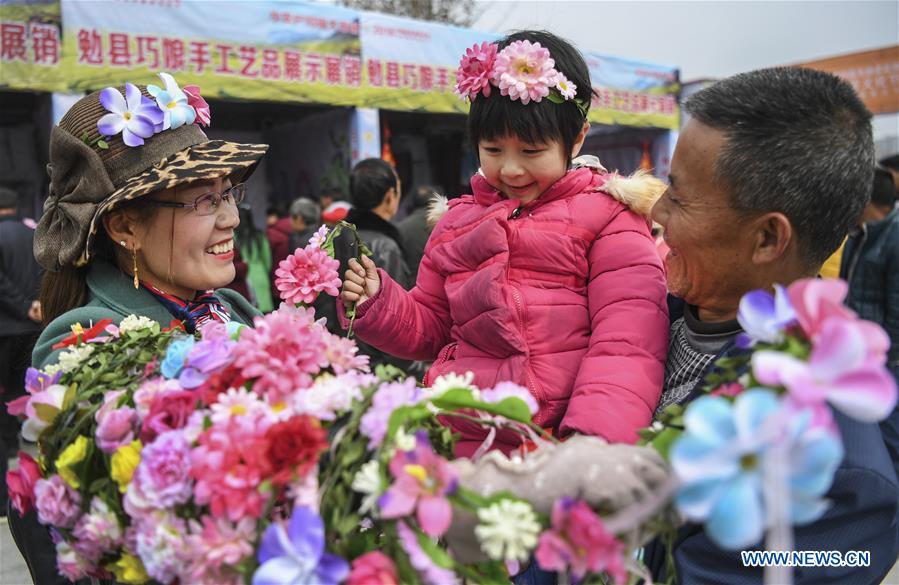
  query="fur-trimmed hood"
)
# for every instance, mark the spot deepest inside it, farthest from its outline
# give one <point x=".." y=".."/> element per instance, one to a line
<point x="639" y="191"/>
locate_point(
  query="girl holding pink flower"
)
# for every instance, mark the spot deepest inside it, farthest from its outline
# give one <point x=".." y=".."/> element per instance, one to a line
<point x="546" y="275"/>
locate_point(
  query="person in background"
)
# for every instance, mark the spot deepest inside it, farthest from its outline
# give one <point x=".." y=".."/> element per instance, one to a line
<point x="272" y="214"/>
<point x="891" y="163"/>
<point x="305" y="218"/>
<point x="20" y="317"/>
<point x="415" y="228"/>
<point x="252" y="262"/>
<point x="329" y="196"/>
<point x="871" y="267"/>
<point x="375" y="193"/>
<point x="278" y="234"/>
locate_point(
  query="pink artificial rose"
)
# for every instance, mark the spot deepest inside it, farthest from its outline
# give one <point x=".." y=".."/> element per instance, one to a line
<point x="115" y="425"/>
<point x="196" y="101"/>
<point x="374" y="568"/>
<point x="168" y="411"/>
<point x="815" y="300"/>
<point x="20" y="483"/>
<point x="57" y="504"/>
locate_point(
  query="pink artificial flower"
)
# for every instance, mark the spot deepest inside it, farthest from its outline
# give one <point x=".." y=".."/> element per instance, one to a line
<point x="162" y="479"/>
<point x="216" y="547"/>
<point x="20" y="483"/>
<point x="373" y="568"/>
<point x="525" y="71"/>
<point x="305" y="273"/>
<point x="71" y="564"/>
<point x="342" y="355"/>
<point x="159" y="543"/>
<point x="579" y="542"/>
<point x="41" y="409"/>
<point x="282" y="352"/>
<point x="57" y="504"/>
<point x="815" y="300"/>
<point x="97" y="532"/>
<point x="839" y="371"/>
<point x="565" y="87"/>
<point x="730" y="389"/>
<point x="422" y="481"/>
<point x="228" y="467"/>
<point x="115" y="425"/>
<point x="149" y="389"/>
<point x="475" y="71"/>
<point x="168" y="411"/>
<point x="196" y="101"/>
<point x="420" y="560"/>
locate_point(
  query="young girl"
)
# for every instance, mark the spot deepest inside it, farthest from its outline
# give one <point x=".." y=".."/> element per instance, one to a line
<point x="542" y="276"/>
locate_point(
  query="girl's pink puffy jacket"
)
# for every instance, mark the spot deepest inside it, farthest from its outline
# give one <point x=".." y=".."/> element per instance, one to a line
<point x="564" y="295"/>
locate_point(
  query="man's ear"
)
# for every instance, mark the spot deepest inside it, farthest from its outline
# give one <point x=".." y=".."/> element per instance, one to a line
<point x="122" y="227"/>
<point x="772" y="236"/>
<point x="579" y="139"/>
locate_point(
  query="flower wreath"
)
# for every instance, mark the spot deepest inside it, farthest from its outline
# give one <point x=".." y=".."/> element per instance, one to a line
<point x="138" y="117"/>
<point x="523" y="71"/>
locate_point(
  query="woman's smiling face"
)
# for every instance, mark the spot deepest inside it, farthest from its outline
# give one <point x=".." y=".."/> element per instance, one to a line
<point x="181" y="251"/>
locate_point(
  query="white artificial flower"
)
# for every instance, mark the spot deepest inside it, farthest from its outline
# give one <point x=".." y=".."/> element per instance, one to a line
<point x="452" y="380"/>
<point x="508" y="530"/>
<point x="70" y="359"/>
<point x="135" y="323"/>
<point x="403" y="440"/>
<point x="368" y="481"/>
<point x="52" y="369"/>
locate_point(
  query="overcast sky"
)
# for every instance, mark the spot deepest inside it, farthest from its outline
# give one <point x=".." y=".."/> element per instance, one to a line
<point x="706" y="39"/>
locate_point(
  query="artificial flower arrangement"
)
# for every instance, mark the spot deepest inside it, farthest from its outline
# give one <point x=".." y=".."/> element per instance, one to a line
<point x="137" y="117"/>
<point x="757" y="452"/>
<point x="272" y="455"/>
<point x="523" y="71"/>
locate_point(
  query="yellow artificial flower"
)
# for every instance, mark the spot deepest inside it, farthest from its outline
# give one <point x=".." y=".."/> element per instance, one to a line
<point x="71" y="456"/>
<point x="124" y="461"/>
<point x="129" y="569"/>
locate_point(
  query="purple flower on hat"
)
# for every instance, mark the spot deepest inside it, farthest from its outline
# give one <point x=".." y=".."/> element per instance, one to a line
<point x="133" y="115"/>
<point x="173" y="103"/>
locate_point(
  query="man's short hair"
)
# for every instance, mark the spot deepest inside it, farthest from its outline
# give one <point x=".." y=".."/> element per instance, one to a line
<point x="309" y="210"/>
<point x="370" y="181"/>
<point x="799" y="142"/>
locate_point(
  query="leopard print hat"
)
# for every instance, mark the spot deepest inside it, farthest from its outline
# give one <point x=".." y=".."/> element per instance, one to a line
<point x="87" y="181"/>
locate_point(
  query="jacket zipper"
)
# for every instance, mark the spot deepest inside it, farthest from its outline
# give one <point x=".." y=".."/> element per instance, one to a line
<point x="516" y="296"/>
<point x="442" y="357"/>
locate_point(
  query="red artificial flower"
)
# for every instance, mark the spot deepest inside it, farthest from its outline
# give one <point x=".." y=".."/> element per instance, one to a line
<point x="196" y="101"/>
<point x="20" y="483"/>
<point x="220" y="382"/>
<point x="373" y="568"/>
<point x="168" y="411"/>
<point x="80" y="335"/>
<point x="293" y="447"/>
<point x="174" y="324"/>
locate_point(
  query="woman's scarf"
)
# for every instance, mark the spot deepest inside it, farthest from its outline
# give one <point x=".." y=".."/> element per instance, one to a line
<point x="194" y="314"/>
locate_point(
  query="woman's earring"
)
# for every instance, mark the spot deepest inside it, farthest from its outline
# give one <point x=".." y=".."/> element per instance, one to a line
<point x="134" y="258"/>
<point x="122" y="243"/>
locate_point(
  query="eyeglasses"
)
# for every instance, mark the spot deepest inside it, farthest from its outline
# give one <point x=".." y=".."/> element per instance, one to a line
<point x="208" y="203"/>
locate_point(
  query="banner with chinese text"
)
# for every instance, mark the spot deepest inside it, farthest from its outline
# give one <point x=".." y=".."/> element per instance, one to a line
<point x="30" y="45"/>
<point x="276" y="50"/>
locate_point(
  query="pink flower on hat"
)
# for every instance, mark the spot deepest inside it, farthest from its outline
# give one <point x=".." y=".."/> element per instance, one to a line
<point x="196" y="101"/>
<point x="475" y="70"/>
<point x="525" y="71"/>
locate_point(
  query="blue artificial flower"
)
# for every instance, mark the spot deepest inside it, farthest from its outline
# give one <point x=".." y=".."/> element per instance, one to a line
<point x="721" y="457"/>
<point x="176" y="357"/>
<point x="297" y="555"/>
<point x="765" y="317"/>
<point x="173" y="103"/>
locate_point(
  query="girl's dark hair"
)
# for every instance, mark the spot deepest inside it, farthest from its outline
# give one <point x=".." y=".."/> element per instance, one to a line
<point x="370" y="180"/>
<point x="66" y="288"/>
<point x="535" y="122"/>
<point x="247" y="235"/>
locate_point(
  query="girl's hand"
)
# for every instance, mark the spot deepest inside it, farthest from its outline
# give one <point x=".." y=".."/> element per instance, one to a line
<point x="361" y="282"/>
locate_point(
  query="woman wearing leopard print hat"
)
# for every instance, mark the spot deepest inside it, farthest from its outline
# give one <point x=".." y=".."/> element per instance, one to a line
<point x="140" y="220"/>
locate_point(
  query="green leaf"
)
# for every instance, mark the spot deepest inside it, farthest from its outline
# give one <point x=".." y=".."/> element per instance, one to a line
<point x="102" y="144"/>
<point x="664" y="441"/>
<point x="404" y="415"/>
<point x="555" y="97"/>
<point x="45" y="412"/>
<point x="433" y="550"/>
<point x="461" y="398"/>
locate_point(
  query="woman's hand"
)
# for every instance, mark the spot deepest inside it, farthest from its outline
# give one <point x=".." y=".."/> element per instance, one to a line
<point x="361" y="281"/>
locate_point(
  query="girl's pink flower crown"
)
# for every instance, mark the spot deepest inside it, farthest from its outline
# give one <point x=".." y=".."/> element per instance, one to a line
<point x="523" y="71"/>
